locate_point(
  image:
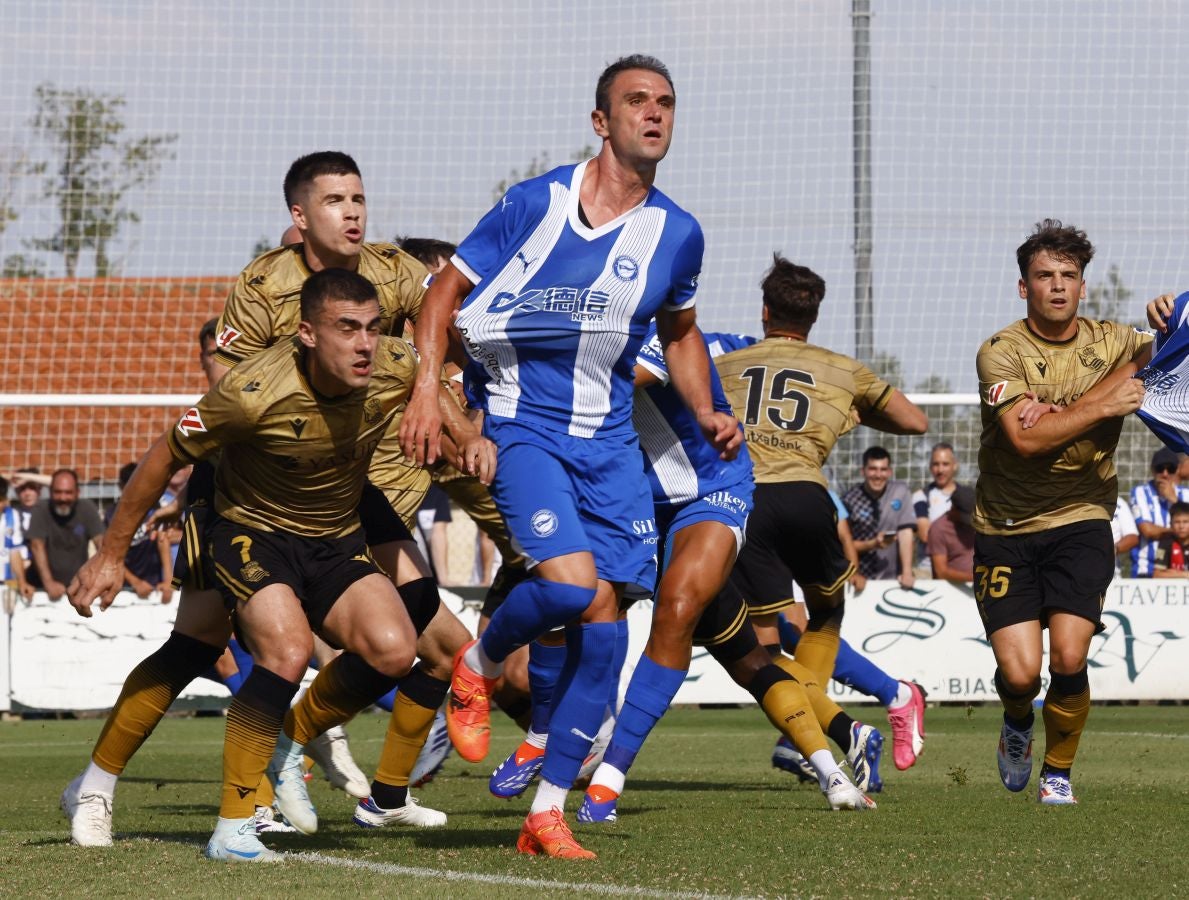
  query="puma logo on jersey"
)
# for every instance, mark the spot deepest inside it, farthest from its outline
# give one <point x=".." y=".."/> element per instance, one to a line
<point x="524" y="260"/>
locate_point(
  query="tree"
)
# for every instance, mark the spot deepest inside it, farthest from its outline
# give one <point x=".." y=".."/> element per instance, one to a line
<point x="17" y="265"/>
<point x="1109" y="299"/>
<point x="538" y="165"/>
<point x="92" y="172"/>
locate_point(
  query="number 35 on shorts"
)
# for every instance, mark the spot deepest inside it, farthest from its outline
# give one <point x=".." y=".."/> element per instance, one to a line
<point x="991" y="581"/>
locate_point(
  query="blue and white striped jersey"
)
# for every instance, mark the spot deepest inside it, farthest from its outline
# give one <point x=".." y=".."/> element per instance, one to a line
<point x="1165" y="409"/>
<point x="680" y="463"/>
<point x="560" y="309"/>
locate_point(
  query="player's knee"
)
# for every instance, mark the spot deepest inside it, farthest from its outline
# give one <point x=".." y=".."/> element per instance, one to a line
<point x="391" y="658"/>
<point x="288" y="659"/>
<point x="1067" y="660"/>
<point x="1017" y="679"/>
<point x="572" y="600"/>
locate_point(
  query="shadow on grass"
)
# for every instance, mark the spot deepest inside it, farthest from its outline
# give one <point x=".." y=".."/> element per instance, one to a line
<point x="166" y="782"/>
<point x="658" y="784"/>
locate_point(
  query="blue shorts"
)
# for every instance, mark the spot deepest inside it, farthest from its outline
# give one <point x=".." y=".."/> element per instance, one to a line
<point x="561" y="494"/>
<point x="731" y="506"/>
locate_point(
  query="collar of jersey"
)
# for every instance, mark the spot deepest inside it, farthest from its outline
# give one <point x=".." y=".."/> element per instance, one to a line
<point x="582" y="230"/>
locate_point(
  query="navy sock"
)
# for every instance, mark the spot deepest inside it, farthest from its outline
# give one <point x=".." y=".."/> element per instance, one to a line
<point x="855" y="670"/>
<point x="545" y="662"/>
<point x="532" y="608"/>
<point x="649" y="694"/>
<point x="579" y="700"/>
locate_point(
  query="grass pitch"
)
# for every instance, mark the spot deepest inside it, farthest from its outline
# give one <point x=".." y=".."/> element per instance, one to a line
<point x="704" y="814"/>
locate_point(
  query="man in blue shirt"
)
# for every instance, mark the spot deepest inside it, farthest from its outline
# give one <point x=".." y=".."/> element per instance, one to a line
<point x="554" y="290"/>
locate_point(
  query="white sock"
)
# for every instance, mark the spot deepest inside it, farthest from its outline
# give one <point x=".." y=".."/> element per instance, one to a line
<point x="824" y="764"/>
<point x="548" y="796"/>
<point x="903" y="695"/>
<point x="536" y="740"/>
<point x="481" y="662"/>
<point x="606" y="775"/>
<point x="97" y="779"/>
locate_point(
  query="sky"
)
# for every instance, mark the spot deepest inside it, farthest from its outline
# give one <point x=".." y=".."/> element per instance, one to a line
<point x="987" y="116"/>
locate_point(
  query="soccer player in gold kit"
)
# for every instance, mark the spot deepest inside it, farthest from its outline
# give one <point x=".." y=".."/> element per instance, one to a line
<point x="1046" y="490"/>
<point x="296" y="426"/>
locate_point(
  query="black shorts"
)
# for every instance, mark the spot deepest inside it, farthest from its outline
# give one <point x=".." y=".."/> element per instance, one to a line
<point x="192" y="569"/>
<point x="1022" y="578"/>
<point x="722" y="619"/>
<point x="381" y="524"/>
<point x="318" y="570"/>
<point x="792" y="535"/>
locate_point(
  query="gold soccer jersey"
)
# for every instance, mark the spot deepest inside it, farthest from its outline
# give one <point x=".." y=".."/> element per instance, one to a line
<point x="1017" y="495"/>
<point x="795" y="400"/>
<point x="291" y="460"/>
<point x="264" y="307"/>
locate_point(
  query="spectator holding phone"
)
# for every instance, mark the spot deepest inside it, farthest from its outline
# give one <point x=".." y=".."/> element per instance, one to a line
<point x="882" y="520"/>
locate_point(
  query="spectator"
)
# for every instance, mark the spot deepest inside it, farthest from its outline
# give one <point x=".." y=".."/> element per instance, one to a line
<point x="59" y="532"/>
<point x="148" y="565"/>
<point x="432" y="520"/>
<point x="29" y="482"/>
<point x="933" y="501"/>
<point x="882" y="520"/>
<point x="1123" y="531"/>
<point x="1150" y="504"/>
<point x="12" y="563"/>
<point x="1172" y="550"/>
<point x="951" y="538"/>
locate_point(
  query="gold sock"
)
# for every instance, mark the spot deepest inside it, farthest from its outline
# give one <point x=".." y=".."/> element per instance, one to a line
<point x="1067" y="706"/>
<point x="824" y="709"/>
<point x="344" y="687"/>
<point x="787" y="707"/>
<point x="408" y="727"/>
<point x="1017" y="706"/>
<point x="148" y="691"/>
<point x="818" y="649"/>
<point x="253" y="723"/>
<point x="264" y="793"/>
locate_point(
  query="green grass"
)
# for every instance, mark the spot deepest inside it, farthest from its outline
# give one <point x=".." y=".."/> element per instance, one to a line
<point x="704" y="812"/>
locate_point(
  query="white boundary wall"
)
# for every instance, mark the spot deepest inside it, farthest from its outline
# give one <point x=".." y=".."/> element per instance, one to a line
<point x="54" y="659"/>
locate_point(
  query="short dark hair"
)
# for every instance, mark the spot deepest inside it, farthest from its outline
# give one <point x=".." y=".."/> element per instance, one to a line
<point x="943" y="445"/>
<point x="623" y="64"/>
<point x="874" y="453"/>
<point x="333" y="284"/>
<point x="1180" y="508"/>
<point x="306" y="168"/>
<point x="73" y="474"/>
<point x="426" y="251"/>
<point x="792" y="294"/>
<point x="1061" y="241"/>
<point x="207" y="332"/>
<point x="126" y="471"/>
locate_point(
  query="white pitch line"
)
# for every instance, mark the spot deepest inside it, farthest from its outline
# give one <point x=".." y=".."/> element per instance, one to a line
<point x="585" y="887"/>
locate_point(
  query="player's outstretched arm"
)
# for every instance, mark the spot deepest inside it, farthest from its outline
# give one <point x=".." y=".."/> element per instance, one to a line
<point x="421" y="426"/>
<point x="899" y="416"/>
<point x="688" y="363"/>
<point x="102" y="575"/>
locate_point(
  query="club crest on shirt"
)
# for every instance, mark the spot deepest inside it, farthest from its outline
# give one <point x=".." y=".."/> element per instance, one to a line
<point x="625" y="268"/>
<point x="253" y="572"/>
<point x="1090" y="359"/>
<point x="544" y="522"/>
<point x="372" y="412"/>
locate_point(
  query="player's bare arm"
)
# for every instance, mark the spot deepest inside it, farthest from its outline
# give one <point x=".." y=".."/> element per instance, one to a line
<point x="475" y="454"/>
<point x="421" y="426"/>
<point x="689" y="372"/>
<point x="102" y="575"/>
<point x="899" y="416"/>
<point x="1119" y="394"/>
<point x="1159" y="311"/>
